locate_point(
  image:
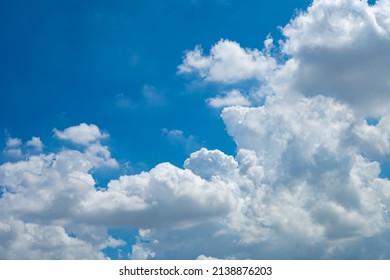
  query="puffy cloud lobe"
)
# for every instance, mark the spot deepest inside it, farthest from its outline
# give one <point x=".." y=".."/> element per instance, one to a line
<point x="315" y="181"/>
<point x="12" y="147"/>
<point x="35" y="143"/>
<point x="20" y="240"/>
<point x="81" y="134"/>
<point x="340" y="48"/>
<point x="307" y="125"/>
<point x="15" y="149"/>
<point x="232" y="98"/>
<point x="375" y="139"/>
<point x="166" y="196"/>
<point x="48" y="187"/>
<point x="100" y="156"/>
<point x="228" y="63"/>
<point x="140" y="250"/>
<point x="13" y="142"/>
<point x="207" y="163"/>
<point x="40" y="201"/>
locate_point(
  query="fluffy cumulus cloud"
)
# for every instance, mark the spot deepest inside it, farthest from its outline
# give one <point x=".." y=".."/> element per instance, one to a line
<point x="313" y="182"/>
<point x="207" y="163"/>
<point x="81" y="134"/>
<point x="21" y="240"/>
<point x="335" y="48"/>
<point x="305" y="182"/>
<point x="340" y="48"/>
<point x="166" y="196"/>
<point x="51" y="207"/>
<point x="35" y="143"/>
<point x="40" y="200"/>
<point x="13" y="147"/>
<point x="308" y="160"/>
<point x="228" y="63"/>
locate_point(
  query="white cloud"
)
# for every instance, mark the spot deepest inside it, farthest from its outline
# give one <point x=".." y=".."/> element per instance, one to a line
<point x="13" y="142"/>
<point x="231" y="98"/>
<point x="123" y="101"/>
<point x="300" y="181"/>
<point x="100" y="156"/>
<point x="35" y="143"/>
<point x="203" y="257"/>
<point x="152" y="96"/>
<point x="177" y="136"/>
<point x="306" y="159"/>
<point x="335" y="48"/>
<point x="340" y="49"/>
<point x="228" y="63"/>
<point x="311" y="181"/>
<point x="166" y="196"/>
<point x="375" y="139"/>
<point x="207" y="163"/>
<point x="20" y="240"/>
<point x="57" y="192"/>
<point x="292" y="182"/>
<point x="42" y="195"/>
<point x="13" y="152"/>
<point x="81" y="134"/>
<point x="13" y="147"/>
<point x="305" y="182"/>
<point x="140" y="250"/>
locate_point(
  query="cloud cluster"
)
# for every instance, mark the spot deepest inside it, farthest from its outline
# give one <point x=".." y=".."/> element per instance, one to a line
<point x="41" y="199"/>
<point x="308" y="160"/>
<point x="19" y="240"/>
<point x="56" y="194"/>
<point x="313" y="182"/>
<point x="14" y="148"/>
<point x="305" y="181"/>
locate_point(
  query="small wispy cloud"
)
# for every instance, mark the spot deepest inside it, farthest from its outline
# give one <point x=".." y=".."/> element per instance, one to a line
<point x="152" y="96"/>
<point x="123" y="101"/>
<point x="231" y="98"/>
<point x="188" y="142"/>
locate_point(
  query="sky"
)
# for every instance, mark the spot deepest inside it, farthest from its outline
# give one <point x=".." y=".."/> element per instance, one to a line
<point x="195" y="129"/>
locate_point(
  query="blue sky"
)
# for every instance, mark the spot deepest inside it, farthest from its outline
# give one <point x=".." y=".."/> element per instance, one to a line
<point x="144" y="129"/>
<point x="64" y="63"/>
